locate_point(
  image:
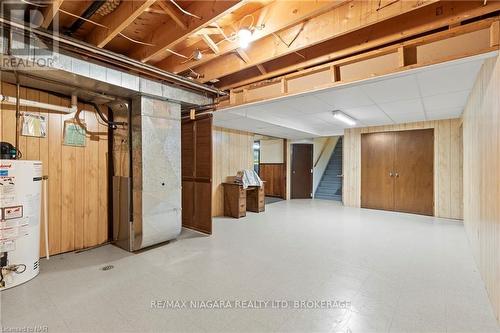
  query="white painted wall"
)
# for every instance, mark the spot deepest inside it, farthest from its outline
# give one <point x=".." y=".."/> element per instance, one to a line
<point x="271" y="151"/>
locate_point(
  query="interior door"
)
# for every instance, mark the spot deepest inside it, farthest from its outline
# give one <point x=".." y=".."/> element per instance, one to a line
<point x="302" y="165"/>
<point x="414" y="172"/>
<point x="377" y="170"/>
<point x="197" y="174"/>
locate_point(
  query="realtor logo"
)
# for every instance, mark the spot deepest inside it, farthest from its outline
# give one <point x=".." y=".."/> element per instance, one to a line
<point x="25" y="50"/>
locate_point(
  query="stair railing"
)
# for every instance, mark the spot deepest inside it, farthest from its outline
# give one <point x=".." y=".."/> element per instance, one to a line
<point x="323" y="150"/>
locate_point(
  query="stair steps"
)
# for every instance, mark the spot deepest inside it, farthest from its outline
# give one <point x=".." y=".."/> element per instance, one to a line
<point x="330" y="186"/>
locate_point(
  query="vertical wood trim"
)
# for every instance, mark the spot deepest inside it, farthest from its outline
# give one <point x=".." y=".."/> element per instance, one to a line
<point x="233" y="151"/>
<point x="55" y="138"/>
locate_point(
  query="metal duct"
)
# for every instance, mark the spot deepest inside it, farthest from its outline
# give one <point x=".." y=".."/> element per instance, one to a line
<point x="115" y="59"/>
<point x="108" y="7"/>
<point x="88" y="13"/>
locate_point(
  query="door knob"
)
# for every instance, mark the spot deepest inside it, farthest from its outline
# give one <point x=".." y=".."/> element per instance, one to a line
<point x="397" y="174"/>
<point x="390" y="174"/>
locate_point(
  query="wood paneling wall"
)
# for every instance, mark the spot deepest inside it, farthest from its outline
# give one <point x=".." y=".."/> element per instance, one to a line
<point x="197" y="174"/>
<point x="274" y="174"/>
<point x="481" y="134"/>
<point x="232" y="151"/>
<point x="448" y="197"/>
<point x="77" y="185"/>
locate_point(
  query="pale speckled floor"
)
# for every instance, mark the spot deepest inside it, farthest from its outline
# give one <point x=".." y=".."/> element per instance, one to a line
<point x="402" y="273"/>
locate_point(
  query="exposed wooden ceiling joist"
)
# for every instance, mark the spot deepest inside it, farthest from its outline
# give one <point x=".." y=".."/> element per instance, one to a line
<point x="51" y="12"/>
<point x="117" y="21"/>
<point x="472" y="39"/>
<point x="269" y="19"/>
<point x="343" y="19"/>
<point x="210" y="43"/>
<point x="174" y="13"/>
<point x="383" y="33"/>
<point x="243" y="55"/>
<point x="168" y="35"/>
<point x="261" y="69"/>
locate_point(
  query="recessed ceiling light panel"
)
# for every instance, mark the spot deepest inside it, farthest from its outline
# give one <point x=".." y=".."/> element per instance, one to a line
<point x="341" y="116"/>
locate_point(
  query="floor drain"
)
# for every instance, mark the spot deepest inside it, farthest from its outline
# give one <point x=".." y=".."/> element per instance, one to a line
<point x="107" y="268"/>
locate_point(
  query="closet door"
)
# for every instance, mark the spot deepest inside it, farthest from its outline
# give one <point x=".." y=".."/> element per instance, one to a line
<point x="377" y="166"/>
<point x="414" y="172"/>
<point x="197" y="174"/>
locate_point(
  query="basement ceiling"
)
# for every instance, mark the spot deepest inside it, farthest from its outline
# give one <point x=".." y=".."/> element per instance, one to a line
<point x="429" y="93"/>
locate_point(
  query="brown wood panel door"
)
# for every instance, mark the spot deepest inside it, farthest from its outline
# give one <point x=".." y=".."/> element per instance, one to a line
<point x="274" y="176"/>
<point x="377" y="167"/>
<point x="414" y="172"/>
<point x="197" y="174"/>
<point x="302" y="165"/>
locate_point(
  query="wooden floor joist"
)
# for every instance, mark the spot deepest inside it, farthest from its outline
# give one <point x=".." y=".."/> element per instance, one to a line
<point x="456" y="43"/>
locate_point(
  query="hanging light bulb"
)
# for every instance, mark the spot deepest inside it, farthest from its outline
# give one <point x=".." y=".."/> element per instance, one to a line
<point x="197" y="55"/>
<point x="244" y="36"/>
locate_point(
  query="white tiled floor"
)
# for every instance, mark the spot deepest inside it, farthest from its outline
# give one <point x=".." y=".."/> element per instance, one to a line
<point x="402" y="273"/>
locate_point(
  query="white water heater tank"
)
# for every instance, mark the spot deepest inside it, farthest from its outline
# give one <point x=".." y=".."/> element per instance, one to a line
<point x="20" y="200"/>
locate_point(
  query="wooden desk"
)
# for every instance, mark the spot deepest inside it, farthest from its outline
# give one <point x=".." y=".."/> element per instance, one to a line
<point x="237" y="200"/>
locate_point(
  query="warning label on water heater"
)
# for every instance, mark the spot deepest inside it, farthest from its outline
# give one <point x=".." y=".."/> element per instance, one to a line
<point x="7" y="246"/>
<point x="7" y="191"/>
<point x="13" y="229"/>
<point x="10" y="213"/>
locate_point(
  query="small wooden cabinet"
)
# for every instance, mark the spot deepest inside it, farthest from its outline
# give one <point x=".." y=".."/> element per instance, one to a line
<point x="235" y="197"/>
<point x="256" y="199"/>
<point x="238" y="200"/>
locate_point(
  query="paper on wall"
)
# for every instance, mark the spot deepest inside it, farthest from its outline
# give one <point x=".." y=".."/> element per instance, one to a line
<point x="34" y="125"/>
<point x="74" y="134"/>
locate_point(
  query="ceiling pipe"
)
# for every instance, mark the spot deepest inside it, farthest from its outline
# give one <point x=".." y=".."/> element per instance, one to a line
<point x="74" y="45"/>
<point x="34" y="104"/>
<point x="87" y="14"/>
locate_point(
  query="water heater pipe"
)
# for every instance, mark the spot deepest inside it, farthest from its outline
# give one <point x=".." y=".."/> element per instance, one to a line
<point x="46" y="215"/>
<point x="35" y="104"/>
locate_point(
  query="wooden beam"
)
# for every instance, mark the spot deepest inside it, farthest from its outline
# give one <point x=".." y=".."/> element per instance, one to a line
<point x="243" y="55"/>
<point x="335" y="73"/>
<point x="174" y="13"/>
<point x="261" y="69"/>
<point x="168" y="35"/>
<point x="461" y="48"/>
<point x="407" y="56"/>
<point x="382" y="33"/>
<point x="211" y="44"/>
<point x="341" y="20"/>
<point x="270" y="19"/>
<point x="51" y="12"/>
<point x="117" y="21"/>
<point x="495" y="34"/>
<point x="156" y="11"/>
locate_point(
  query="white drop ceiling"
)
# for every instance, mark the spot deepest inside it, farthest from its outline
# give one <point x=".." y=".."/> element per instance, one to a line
<point x="429" y="93"/>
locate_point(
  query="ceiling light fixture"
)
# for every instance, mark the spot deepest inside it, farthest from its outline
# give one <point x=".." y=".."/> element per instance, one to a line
<point x="244" y="36"/>
<point x="197" y="55"/>
<point x="341" y="116"/>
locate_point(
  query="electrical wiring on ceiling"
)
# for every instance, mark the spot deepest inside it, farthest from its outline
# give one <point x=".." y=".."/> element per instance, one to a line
<point x="185" y="11"/>
<point x="82" y="18"/>
<point x="105" y="27"/>
<point x="178" y="54"/>
<point x="135" y="40"/>
<point x="240" y="23"/>
<point x="33" y="4"/>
